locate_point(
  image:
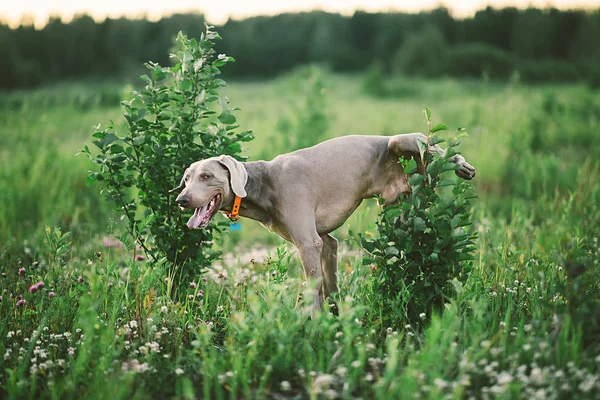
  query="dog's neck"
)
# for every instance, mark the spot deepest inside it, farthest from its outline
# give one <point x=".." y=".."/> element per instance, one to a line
<point x="257" y="204"/>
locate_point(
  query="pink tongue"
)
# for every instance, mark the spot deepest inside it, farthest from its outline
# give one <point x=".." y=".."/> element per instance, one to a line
<point x="196" y="219"/>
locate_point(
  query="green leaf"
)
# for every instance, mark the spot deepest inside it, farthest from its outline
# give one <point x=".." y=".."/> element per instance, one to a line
<point x="186" y="85"/>
<point x="411" y="166"/>
<point x="439" y="127"/>
<point x="227" y="118"/>
<point x="106" y="140"/>
<point x="116" y="149"/>
<point x="427" y="114"/>
<point x="435" y="140"/>
<point x="91" y="178"/>
<point x="392" y="251"/>
<point x="419" y="224"/>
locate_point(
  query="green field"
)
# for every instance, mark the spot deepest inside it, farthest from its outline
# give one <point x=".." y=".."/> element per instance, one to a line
<point x="525" y="324"/>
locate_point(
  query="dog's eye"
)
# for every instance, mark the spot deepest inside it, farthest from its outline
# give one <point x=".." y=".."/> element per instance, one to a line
<point x="205" y="176"/>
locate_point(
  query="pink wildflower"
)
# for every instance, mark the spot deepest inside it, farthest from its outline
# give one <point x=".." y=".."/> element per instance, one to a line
<point x="191" y="297"/>
<point x="21" y="302"/>
<point x="80" y="279"/>
<point x="193" y="285"/>
<point x="140" y="257"/>
<point x="200" y="293"/>
<point x="51" y="294"/>
<point x="21" y="271"/>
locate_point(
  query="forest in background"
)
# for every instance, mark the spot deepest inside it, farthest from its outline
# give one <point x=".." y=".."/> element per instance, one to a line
<point x="547" y="45"/>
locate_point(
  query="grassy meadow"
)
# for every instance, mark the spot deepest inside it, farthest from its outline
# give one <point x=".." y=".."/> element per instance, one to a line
<point x="81" y="317"/>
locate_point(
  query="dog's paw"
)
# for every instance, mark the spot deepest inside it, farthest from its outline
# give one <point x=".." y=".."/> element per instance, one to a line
<point x="466" y="170"/>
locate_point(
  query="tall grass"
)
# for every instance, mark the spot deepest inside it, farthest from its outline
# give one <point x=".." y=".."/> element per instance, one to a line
<point x="525" y="323"/>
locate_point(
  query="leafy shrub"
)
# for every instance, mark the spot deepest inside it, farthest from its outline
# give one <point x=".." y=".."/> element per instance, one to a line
<point x="423" y="241"/>
<point x="373" y="82"/>
<point x="478" y="59"/>
<point x="310" y="122"/>
<point x="171" y="123"/>
<point x="423" y="53"/>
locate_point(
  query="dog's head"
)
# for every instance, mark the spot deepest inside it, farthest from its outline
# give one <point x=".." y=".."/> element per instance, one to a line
<point x="208" y="184"/>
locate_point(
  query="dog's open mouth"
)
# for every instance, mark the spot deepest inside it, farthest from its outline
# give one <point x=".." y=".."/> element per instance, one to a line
<point x="203" y="215"/>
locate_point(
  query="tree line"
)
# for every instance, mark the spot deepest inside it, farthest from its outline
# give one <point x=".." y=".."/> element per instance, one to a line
<point x="540" y="45"/>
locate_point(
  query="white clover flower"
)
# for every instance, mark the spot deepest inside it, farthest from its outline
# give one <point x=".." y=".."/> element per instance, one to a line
<point x="504" y="378"/>
<point x="341" y="371"/>
<point x="422" y="315"/>
<point x="154" y="347"/>
<point x="356" y="364"/>
<point x="178" y="371"/>
<point x="339" y="334"/>
<point x="323" y="380"/>
<point x="440" y="384"/>
<point x="285" y="386"/>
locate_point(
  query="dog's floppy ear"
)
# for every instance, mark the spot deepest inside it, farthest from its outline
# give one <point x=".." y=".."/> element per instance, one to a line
<point x="179" y="188"/>
<point x="238" y="176"/>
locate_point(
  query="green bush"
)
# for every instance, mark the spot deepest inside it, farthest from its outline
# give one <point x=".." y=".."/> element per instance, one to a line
<point x="423" y="241"/>
<point x="171" y="123"/>
<point x="423" y="53"/>
<point x="373" y="82"/>
<point x="478" y="59"/>
<point x="310" y="121"/>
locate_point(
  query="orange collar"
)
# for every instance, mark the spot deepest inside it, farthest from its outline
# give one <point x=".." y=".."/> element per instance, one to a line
<point x="234" y="215"/>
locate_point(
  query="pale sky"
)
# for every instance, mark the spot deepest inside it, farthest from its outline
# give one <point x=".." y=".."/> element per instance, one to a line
<point x="217" y="11"/>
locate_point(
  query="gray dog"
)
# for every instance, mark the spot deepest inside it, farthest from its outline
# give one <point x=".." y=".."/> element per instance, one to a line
<point x="305" y="195"/>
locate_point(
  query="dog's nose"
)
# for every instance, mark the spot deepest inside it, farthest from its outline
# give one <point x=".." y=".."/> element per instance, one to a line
<point x="182" y="200"/>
